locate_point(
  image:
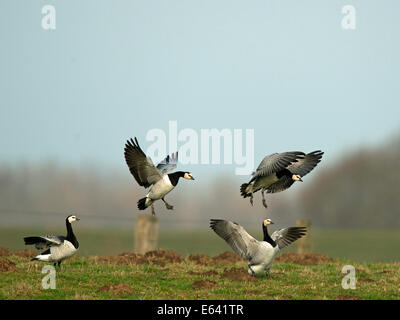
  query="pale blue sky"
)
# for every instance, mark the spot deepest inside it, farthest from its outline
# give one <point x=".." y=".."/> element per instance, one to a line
<point x="116" y="69"/>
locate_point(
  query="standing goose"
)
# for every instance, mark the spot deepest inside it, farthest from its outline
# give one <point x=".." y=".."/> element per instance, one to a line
<point x="260" y="254"/>
<point x="146" y="174"/>
<point x="58" y="248"/>
<point x="278" y="171"/>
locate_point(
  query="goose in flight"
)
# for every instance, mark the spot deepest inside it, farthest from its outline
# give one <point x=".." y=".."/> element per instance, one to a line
<point x="278" y="171"/>
<point x="57" y="248"/>
<point x="146" y="174"/>
<point x="260" y="254"/>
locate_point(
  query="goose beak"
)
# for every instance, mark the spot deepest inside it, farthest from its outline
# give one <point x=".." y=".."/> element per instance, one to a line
<point x="77" y="219"/>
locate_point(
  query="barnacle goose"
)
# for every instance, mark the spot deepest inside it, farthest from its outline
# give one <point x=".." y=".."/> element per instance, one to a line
<point x="278" y="171"/>
<point x="260" y="254"/>
<point x="146" y="174"/>
<point x="58" y="248"/>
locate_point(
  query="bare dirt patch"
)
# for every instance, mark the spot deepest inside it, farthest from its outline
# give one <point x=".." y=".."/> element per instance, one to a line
<point x="237" y="274"/>
<point x="25" y="253"/>
<point x="5" y="252"/>
<point x="125" y="258"/>
<point x="158" y="257"/>
<point x="170" y="256"/>
<point x="117" y="289"/>
<point x="205" y="274"/>
<point x="304" y="258"/>
<point x="227" y="258"/>
<point x="203" y="284"/>
<point x="365" y="280"/>
<point x="252" y="292"/>
<point x="7" y="265"/>
<point x="224" y="258"/>
<point x="386" y="271"/>
<point x="200" y="259"/>
<point x="347" y="297"/>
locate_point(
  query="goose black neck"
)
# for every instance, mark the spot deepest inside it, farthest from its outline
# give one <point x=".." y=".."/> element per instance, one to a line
<point x="70" y="235"/>
<point x="174" y="177"/>
<point x="267" y="237"/>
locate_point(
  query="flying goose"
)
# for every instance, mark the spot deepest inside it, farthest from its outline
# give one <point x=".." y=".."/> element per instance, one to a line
<point x="146" y="174"/>
<point x="278" y="171"/>
<point x="57" y="248"/>
<point x="260" y="254"/>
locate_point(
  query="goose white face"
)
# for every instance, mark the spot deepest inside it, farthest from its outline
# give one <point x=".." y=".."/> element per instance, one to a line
<point x="296" y="177"/>
<point x="188" y="176"/>
<point x="72" y="219"/>
<point x="268" y="222"/>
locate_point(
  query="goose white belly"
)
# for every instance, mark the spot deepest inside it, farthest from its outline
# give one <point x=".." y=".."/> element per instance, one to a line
<point x="160" y="188"/>
<point x="263" y="259"/>
<point x="61" y="252"/>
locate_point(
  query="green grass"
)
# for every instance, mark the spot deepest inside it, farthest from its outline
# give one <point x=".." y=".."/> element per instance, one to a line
<point x="361" y="246"/>
<point x="91" y="278"/>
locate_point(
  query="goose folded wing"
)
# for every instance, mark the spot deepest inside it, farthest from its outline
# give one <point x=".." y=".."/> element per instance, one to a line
<point x="140" y="166"/>
<point x="44" y="242"/>
<point x="235" y="235"/>
<point x="276" y="162"/>
<point x="283" y="183"/>
<point x="286" y="236"/>
<point x="168" y="164"/>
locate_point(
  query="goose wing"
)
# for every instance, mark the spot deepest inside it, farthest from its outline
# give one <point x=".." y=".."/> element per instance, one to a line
<point x="44" y="242"/>
<point x="286" y="236"/>
<point x="301" y="167"/>
<point x="276" y="162"/>
<point x="168" y="164"/>
<point x="306" y="164"/>
<point x="140" y="166"/>
<point x="235" y="235"/>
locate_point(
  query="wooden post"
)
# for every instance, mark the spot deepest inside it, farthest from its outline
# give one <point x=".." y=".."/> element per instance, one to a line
<point x="146" y="233"/>
<point x="304" y="243"/>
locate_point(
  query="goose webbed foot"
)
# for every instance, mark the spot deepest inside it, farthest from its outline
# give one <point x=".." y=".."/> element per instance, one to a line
<point x="251" y="199"/>
<point x="264" y="202"/>
<point x="251" y="270"/>
<point x="167" y="205"/>
<point x="267" y="274"/>
<point x="152" y="210"/>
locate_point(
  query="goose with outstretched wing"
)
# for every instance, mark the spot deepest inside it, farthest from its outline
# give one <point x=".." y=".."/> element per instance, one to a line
<point x="57" y="248"/>
<point x="259" y="254"/>
<point x="278" y="171"/>
<point x="159" y="177"/>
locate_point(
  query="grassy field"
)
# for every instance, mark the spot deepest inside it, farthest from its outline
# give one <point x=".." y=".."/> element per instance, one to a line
<point x="99" y="271"/>
<point x="167" y="275"/>
<point x="360" y="246"/>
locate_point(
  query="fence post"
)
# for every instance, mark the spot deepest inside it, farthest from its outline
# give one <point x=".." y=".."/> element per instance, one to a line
<point x="304" y="243"/>
<point x="146" y="233"/>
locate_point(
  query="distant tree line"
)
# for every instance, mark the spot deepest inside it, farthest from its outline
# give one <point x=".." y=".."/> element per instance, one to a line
<point x="358" y="190"/>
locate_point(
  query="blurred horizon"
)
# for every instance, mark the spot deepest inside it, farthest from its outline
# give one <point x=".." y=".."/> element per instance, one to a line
<point x="44" y="194"/>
